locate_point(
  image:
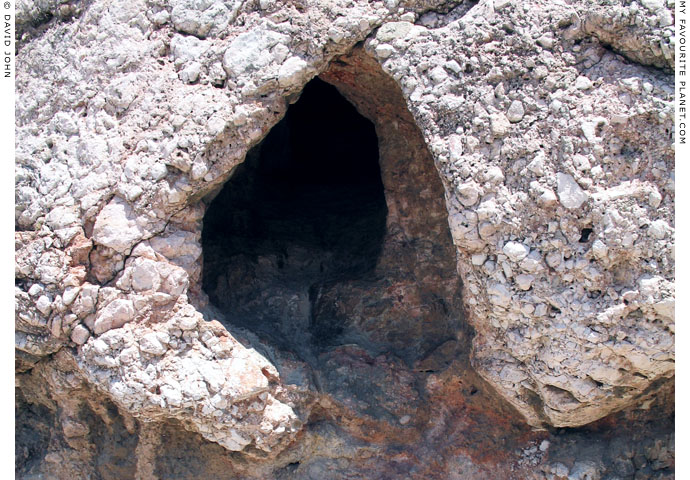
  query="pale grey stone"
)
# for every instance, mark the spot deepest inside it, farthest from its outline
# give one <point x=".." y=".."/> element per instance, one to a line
<point x="515" y="251"/>
<point x="516" y="112"/>
<point x="43" y="304"/>
<point x="569" y="192"/>
<point x="250" y="51"/>
<point x="438" y="75"/>
<point x="384" y="50"/>
<point x="524" y="281"/>
<point x="393" y="30"/>
<point x="116" y="226"/>
<point x="500" y="126"/>
<point x="150" y="343"/>
<point x="80" y="335"/>
<point x="293" y="71"/>
<point x="583" y="83"/>
<point x="658" y="229"/>
<point x="114" y="315"/>
<point x="190" y="73"/>
<point x="499" y="295"/>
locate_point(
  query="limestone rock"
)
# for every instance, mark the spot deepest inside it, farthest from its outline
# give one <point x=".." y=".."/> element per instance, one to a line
<point x="569" y="192"/>
<point x="527" y="263"/>
<point x="117" y="227"/>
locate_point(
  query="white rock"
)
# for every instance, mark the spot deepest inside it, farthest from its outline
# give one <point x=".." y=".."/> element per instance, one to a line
<point x="590" y="129"/>
<point x="581" y="163"/>
<point x="176" y="281"/>
<point x="213" y="375"/>
<point x="122" y="91"/>
<point x="654" y="198"/>
<point x="553" y="259"/>
<point x="64" y="123"/>
<point x="292" y="72"/>
<point x="393" y="30"/>
<point x="547" y="198"/>
<point x="336" y="34"/>
<point x="116" y="226"/>
<point x="569" y="192"/>
<point x="469" y="193"/>
<point x="384" y="51"/>
<point x="186" y="48"/>
<point x="453" y="66"/>
<point x="666" y="308"/>
<point x="524" y="281"/>
<point x="251" y="51"/>
<point x="144" y="275"/>
<point x="546" y="41"/>
<point x="438" y="75"/>
<point x="201" y="17"/>
<point x="515" y="251"/>
<point x="478" y="259"/>
<point x="653" y="5"/>
<point x="650" y="285"/>
<point x="43" y="305"/>
<point x="61" y="217"/>
<point x="114" y="315"/>
<point x="658" y="229"/>
<point x="80" y="334"/>
<point x="532" y="263"/>
<point x="150" y="343"/>
<point x="70" y="294"/>
<point x="455" y="148"/>
<point x="172" y="394"/>
<point x="583" y="83"/>
<point x="536" y="166"/>
<point x="511" y="373"/>
<point x="500" y="126"/>
<point x="494" y="175"/>
<point x="190" y="73"/>
<point x="234" y="441"/>
<point x="599" y="249"/>
<point x="516" y="112"/>
<point x="499" y="295"/>
<point x="188" y="323"/>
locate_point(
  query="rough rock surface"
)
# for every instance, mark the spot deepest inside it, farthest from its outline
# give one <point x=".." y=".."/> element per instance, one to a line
<point x="549" y="125"/>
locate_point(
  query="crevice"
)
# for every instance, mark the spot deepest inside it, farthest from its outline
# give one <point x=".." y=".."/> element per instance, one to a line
<point x="441" y="16"/>
<point x="26" y="30"/>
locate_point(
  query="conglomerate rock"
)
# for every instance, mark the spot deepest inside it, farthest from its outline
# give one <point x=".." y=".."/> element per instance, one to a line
<point x="549" y="125"/>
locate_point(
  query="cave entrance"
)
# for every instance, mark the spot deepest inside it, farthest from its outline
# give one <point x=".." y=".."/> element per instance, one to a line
<point x="305" y="210"/>
<point x="334" y="230"/>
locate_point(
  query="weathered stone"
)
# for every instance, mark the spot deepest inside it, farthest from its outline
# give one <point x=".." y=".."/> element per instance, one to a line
<point x="114" y="315"/>
<point x="128" y="123"/>
<point x="116" y="226"/>
<point x="516" y="112"/>
<point x="569" y="192"/>
<point x="80" y="335"/>
<point x="515" y="251"/>
<point x="393" y="30"/>
<point x="150" y="343"/>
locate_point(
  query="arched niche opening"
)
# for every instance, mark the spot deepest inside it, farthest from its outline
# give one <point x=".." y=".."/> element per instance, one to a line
<point x="334" y="230"/>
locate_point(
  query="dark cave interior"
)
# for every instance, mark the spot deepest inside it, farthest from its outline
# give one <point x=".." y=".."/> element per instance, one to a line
<point x="305" y="210"/>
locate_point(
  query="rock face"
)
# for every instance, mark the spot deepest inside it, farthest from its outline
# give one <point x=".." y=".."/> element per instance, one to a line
<point x="511" y="274"/>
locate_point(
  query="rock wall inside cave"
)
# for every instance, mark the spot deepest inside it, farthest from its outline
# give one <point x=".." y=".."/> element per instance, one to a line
<point x="316" y="240"/>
